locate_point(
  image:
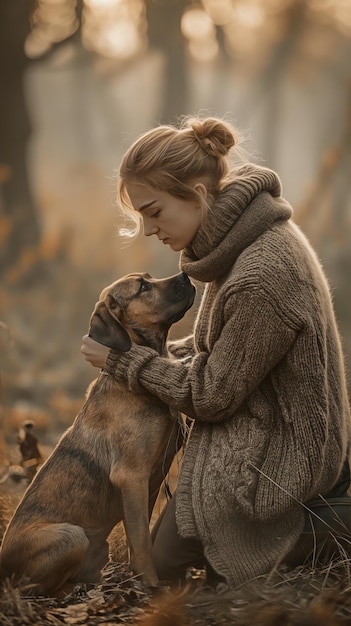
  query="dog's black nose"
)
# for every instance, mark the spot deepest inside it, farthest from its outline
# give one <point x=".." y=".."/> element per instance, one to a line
<point x="182" y="286"/>
<point x="181" y="281"/>
<point x="185" y="277"/>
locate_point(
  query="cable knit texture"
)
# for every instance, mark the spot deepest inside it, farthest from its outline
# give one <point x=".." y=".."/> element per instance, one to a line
<point x="266" y="385"/>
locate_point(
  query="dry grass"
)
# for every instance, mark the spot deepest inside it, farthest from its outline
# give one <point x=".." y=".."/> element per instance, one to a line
<point x="298" y="598"/>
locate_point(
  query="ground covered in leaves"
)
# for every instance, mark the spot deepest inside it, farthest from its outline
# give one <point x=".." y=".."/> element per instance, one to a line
<point x="302" y="597"/>
<point x="307" y="596"/>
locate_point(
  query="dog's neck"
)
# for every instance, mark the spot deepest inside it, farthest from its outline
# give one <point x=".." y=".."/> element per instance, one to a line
<point x="151" y="340"/>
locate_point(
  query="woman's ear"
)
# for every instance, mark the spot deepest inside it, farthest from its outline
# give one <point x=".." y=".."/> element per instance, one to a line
<point x="201" y="189"/>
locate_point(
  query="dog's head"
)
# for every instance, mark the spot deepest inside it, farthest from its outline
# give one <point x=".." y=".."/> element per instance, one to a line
<point x="142" y="309"/>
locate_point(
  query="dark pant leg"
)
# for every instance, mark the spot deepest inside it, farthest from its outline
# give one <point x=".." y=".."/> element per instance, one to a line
<point x="327" y="531"/>
<point x="172" y="554"/>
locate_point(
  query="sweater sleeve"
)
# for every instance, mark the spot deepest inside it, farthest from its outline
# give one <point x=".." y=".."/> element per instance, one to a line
<point x="213" y="385"/>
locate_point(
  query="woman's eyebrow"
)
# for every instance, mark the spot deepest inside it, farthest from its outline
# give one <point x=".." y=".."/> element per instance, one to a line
<point x="147" y="205"/>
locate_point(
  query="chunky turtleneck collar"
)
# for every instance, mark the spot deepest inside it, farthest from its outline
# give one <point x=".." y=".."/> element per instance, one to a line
<point x="242" y="212"/>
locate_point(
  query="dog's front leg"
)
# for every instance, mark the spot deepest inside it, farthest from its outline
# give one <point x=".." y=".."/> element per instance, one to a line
<point x="136" y="522"/>
<point x="135" y="497"/>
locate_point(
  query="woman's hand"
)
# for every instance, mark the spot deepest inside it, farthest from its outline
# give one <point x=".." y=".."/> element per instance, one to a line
<point x="95" y="353"/>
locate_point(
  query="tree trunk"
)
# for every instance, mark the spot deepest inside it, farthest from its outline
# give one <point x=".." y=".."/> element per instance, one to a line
<point x="164" y="32"/>
<point x="19" y="227"/>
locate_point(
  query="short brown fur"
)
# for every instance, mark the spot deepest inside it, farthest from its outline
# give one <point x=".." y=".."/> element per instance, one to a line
<point x="108" y="466"/>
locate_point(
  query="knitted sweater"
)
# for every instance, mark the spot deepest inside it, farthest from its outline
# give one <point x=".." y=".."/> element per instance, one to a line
<point x="266" y="385"/>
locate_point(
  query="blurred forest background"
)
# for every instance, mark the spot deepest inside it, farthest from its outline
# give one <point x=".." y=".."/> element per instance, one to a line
<point x="79" y="80"/>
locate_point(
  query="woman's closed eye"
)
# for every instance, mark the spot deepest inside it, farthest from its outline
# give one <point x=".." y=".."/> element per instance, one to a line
<point x="155" y="213"/>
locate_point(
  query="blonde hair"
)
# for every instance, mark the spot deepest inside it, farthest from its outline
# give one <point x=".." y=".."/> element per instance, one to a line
<point x="172" y="159"/>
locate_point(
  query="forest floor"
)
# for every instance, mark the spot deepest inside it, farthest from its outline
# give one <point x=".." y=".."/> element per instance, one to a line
<point x="298" y="598"/>
<point x="304" y="596"/>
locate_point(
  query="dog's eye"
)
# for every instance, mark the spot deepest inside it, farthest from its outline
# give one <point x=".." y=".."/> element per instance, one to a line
<point x="144" y="286"/>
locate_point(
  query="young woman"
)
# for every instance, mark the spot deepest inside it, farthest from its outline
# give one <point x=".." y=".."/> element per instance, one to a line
<point x="265" y="384"/>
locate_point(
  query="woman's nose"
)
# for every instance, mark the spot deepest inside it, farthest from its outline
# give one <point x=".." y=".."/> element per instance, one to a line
<point x="149" y="228"/>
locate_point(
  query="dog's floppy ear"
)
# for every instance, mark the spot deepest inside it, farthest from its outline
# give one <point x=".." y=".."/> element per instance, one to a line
<point x="108" y="330"/>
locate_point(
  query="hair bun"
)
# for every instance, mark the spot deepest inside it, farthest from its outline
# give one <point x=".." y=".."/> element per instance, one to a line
<point x="214" y="136"/>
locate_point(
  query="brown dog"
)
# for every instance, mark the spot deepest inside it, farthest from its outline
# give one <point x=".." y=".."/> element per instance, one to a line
<point x="109" y="464"/>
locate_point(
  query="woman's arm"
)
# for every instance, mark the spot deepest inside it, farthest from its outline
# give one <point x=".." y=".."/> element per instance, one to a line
<point x="96" y="353"/>
<point x="213" y="385"/>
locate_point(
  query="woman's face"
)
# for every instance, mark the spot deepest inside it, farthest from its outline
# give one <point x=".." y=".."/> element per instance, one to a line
<point x="173" y="220"/>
